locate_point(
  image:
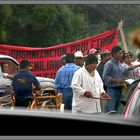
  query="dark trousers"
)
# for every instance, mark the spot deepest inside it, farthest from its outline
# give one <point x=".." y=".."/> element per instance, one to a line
<point x="23" y="102"/>
<point x="67" y="95"/>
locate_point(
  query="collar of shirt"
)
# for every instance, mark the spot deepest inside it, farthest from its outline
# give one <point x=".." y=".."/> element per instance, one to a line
<point x="92" y="75"/>
<point x="115" y="61"/>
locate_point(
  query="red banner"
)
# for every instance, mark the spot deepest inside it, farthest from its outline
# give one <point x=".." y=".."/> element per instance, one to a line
<point x="45" y="61"/>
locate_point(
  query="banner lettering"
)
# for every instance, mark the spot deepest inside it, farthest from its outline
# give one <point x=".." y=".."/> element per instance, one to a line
<point x="45" y="61"/>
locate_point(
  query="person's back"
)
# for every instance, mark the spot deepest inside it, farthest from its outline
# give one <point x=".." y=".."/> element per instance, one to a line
<point x="63" y="80"/>
<point x="22" y="85"/>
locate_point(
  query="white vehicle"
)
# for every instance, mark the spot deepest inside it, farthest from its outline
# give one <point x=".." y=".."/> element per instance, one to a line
<point x="5" y="83"/>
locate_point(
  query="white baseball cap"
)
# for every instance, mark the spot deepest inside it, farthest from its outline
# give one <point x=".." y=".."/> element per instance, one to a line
<point x="78" y="54"/>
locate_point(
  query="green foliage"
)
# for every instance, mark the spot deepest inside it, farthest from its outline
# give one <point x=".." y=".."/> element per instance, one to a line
<point x="5" y="13"/>
<point x="43" y="25"/>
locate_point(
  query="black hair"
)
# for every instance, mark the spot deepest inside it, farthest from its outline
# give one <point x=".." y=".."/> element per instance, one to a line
<point x="104" y="55"/>
<point x="116" y="49"/>
<point x="69" y="58"/>
<point x="98" y="49"/>
<point x="24" y="63"/>
<point x="91" y="59"/>
<point x="2" y="65"/>
<point x="62" y="58"/>
<point x="126" y="55"/>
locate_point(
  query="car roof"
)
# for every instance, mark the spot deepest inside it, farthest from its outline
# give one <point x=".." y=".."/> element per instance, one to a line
<point x="8" y="57"/>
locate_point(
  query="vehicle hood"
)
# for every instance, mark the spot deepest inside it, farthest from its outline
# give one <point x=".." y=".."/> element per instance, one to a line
<point x="46" y="82"/>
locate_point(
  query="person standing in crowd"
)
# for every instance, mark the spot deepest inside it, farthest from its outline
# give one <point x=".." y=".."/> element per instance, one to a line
<point x="105" y="56"/>
<point x="113" y="76"/>
<point x="22" y="85"/>
<point x="137" y="70"/>
<point x="6" y="70"/>
<point x="86" y="84"/>
<point x="63" y="81"/>
<point x="63" y="60"/>
<point x="96" y="52"/>
<point x="127" y="62"/>
<point x="79" y="58"/>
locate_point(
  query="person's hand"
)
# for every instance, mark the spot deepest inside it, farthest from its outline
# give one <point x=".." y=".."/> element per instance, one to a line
<point x="36" y="92"/>
<point x="120" y="81"/>
<point x="88" y="94"/>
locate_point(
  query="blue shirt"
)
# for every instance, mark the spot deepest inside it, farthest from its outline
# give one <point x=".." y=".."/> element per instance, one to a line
<point x="112" y="70"/>
<point x="64" y="76"/>
<point x="22" y="84"/>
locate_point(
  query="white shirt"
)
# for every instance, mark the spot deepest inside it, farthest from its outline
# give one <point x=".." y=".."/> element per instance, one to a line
<point x="82" y="81"/>
<point x="5" y="75"/>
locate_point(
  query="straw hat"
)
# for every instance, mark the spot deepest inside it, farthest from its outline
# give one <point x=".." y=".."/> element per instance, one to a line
<point x="78" y="54"/>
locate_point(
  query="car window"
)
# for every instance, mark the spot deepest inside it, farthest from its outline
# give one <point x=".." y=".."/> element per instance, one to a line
<point x="8" y="66"/>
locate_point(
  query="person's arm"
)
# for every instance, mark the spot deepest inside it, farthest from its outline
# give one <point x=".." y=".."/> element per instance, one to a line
<point x="36" y="86"/>
<point x="10" y="76"/>
<point x="77" y="84"/>
<point x="133" y="67"/>
<point x="6" y="75"/>
<point x="106" y="75"/>
<point x="57" y="82"/>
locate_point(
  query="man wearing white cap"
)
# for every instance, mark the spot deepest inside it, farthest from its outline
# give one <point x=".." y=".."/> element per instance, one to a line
<point x="79" y="58"/>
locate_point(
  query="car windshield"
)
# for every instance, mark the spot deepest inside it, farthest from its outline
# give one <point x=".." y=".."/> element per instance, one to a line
<point x="76" y="61"/>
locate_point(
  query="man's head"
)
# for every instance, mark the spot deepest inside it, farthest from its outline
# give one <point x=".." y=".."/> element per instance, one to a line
<point x="127" y="58"/>
<point x="63" y="60"/>
<point x="105" y="56"/>
<point x="5" y="67"/>
<point x="24" y="64"/>
<point x="117" y="53"/>
<point x="79" y="58"/>
<point x="91" y="62"/>
<point x="70" y="58"/>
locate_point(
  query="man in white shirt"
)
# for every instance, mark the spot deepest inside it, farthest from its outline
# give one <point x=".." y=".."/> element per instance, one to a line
<point x="86" y="85"/>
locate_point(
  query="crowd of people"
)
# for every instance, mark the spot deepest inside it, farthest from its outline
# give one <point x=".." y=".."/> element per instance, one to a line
<point x="93" y="83"/>
<point x="89" y="84"/>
